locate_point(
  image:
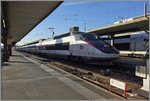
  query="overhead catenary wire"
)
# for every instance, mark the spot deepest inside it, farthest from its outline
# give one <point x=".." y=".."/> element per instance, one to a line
<point x="74" y="17"/>
<point x="92" y="5"/>
<point x="70" y="17"/>
<point x="81" y="14"/>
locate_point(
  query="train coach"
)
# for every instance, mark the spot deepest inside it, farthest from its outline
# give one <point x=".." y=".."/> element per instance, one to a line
<point x="131" y="44"/>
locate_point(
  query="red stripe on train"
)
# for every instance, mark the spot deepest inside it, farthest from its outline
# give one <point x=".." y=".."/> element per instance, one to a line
<point x="89" y="43"/>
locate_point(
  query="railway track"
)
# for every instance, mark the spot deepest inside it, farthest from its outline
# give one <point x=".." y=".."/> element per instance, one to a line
<point x="98" y="75"/>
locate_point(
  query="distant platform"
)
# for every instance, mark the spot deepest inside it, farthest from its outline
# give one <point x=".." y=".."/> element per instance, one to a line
<point x="131" y="61"/>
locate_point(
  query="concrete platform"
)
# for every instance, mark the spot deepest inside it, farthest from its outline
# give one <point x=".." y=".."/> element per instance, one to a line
<point x="129" y="63"/>
<point x="26" y="79"/>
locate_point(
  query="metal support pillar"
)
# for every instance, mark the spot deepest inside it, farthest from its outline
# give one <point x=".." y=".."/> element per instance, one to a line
<point x="4" y="32"/>
<point x="9" y="49"/>
<point x="6" y="55"/>
<point x="112" y="40"/>
<point x="145" y="9"/>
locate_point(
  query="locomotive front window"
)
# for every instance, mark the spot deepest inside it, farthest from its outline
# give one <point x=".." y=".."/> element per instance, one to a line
<point x="78" y="37"/>
<point x="99" y="43"/>
<point x="90" y="37"/>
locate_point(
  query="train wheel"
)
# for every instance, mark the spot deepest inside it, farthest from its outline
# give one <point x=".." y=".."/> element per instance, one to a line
<point x="81" y="60"/>
<point x="141" y="55"/>
<point x="70" y="58"/>
<point x="129" y="55"/>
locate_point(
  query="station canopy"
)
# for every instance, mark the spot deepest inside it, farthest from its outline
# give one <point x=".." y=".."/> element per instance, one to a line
<point x="22" y="16"/>
<point x="140" y="23"/>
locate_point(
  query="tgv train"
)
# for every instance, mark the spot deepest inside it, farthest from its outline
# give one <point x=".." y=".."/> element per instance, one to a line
<point x="131" y="44"/>
<point x="78" y="46"/>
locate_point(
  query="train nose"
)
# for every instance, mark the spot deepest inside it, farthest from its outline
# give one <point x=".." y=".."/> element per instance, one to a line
<point x="109" y="50"/>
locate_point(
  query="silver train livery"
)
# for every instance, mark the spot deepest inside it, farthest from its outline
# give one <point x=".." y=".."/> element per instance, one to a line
<point x="76" y="46"/>
<point x="131" y="44"/>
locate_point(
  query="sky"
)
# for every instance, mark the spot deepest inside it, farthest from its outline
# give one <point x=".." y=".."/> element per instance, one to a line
<point x="87" y="15"/>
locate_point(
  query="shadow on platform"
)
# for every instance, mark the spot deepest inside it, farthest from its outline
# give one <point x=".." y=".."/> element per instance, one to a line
<point x="16" y="55"/>
<point x="20" y="62"/>
<point x="4" y="64"/>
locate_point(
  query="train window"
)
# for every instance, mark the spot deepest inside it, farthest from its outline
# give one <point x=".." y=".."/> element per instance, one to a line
<point x="58" y="46"/>
<point x="78" y="37"/>
<point x="145" y="39"/>
<point x="40" y="47"/>
<point x="43" y="47"/>
<point x="91" y="37"/>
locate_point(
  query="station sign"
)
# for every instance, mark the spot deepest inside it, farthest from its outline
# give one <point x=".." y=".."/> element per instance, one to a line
<point x="118" y="84"/>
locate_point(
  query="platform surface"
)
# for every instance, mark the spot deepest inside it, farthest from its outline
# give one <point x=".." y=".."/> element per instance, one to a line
<point x="26" y="79"/>
<point x="129" y="63"/>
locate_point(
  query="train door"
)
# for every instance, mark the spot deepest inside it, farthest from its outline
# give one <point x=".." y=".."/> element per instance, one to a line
<point x="77" y="47"/>
<point x="71" y="48"/>
<point x="133" y="44"/>
<point x="80" y="47"/>
<point x="145" y="42"/>
<point x="139" y="43"/>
